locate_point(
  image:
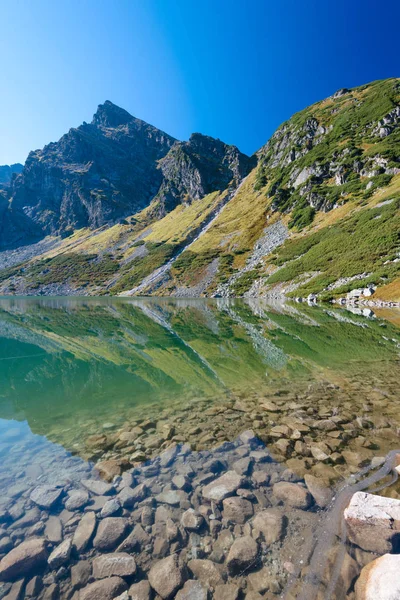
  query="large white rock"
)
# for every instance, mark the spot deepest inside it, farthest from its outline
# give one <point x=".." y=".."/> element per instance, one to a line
<point x="380" y="580"/>
<point x="372" y="521"/>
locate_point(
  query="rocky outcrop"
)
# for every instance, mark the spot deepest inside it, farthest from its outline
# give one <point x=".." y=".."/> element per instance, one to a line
<point x="195" y="168"/>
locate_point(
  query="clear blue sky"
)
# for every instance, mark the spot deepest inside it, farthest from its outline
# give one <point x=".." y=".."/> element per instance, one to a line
<point x="233" y="69"/>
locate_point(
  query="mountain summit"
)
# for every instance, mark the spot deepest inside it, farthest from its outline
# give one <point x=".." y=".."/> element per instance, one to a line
<point x="107" y="170"/>
<point x="315" y="211"/>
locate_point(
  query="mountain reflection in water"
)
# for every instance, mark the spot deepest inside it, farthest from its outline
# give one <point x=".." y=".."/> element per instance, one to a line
<point x="72" y="363"/>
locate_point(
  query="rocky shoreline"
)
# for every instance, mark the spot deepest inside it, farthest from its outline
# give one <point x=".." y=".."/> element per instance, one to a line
<point x="226" y="524"/>
<point x="322" y="430"/>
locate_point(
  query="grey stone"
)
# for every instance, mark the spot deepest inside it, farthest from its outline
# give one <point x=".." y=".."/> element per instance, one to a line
<point x="224" y="486"/>
<point x="46" y="496"/>
<point x="181" y="482"/>
<point x="140" y="591"/>
<point x="110" y="508"/>
<point x="5" y="545"/>
<point x="379" y="580"/>
<point x="237" y="510"/>
<point x="242" y="466"/>
<point x="160" y="547"/>
<point x="81" y="573"/>
<point x="168" y="456"/>
<point x="51" y="592"/>
<point x="206" y="571"/>
<point x="166" y="576"/>
<point x="136" y="540"/>
<point x="16" y="591"/>
<point x="242" y="555"/>
<point x="260" y="580"/>
<point x="31" y="517"/>
<point x="98" y="487"/>
<point x="292" y="494"/>
<point x="269" y="524"/>
<point x="76" y="499"/>
<point x="84" y="532"/>
<point x="34" y="587"/>
<point x="109" y="534"/>
<point x="104" y="589"/>
<point x="372" y="521"/>
<point x="322" y="494"/>
<point x="128" y="497"/>
<point x="193" y="590"/>
<point x="191" y="520"/>
<point x="25" y="558"/>
<point x="171" y="497"/>
<point x="116" y="563"/>
<point x="228" y="591"/>
<point x="60" y="554"/>
<point x="53" y="529"/>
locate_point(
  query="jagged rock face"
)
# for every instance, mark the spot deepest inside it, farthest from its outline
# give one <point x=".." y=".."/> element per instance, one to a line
<point x="325" y="153"/>
<point x="6" y="173"/>
<point x="95" y="174"/>
<point x="195" y="168"/>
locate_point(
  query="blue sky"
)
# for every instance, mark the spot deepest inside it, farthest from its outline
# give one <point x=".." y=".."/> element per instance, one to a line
<point x="233" y="69"/>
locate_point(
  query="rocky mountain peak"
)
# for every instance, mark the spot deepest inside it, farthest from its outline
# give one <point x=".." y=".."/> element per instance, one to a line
<point x="111" y="115"/>
<point x="198" y="167"/>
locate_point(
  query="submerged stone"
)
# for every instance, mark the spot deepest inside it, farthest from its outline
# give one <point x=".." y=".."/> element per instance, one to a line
<point x="46" y="496"/>
<point x="23" y="559"/>
<point x="166" y="576"/>
<point x="104" y="589"/>
<point x="224" y="486"/>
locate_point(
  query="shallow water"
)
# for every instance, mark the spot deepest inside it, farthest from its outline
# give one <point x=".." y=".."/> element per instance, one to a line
<point x="114" y="382"/>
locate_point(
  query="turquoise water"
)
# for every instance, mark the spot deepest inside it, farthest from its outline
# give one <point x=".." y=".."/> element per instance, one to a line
<point x="72" y="363"/>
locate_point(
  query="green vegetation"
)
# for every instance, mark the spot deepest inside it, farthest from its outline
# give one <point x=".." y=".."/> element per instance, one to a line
<point x="79" y="269"/>
<point x="188" y="265"/>
<point x="245" y="281"/>
<point x="302" y="216"/>
<point x="360" y="243"/>
<point x="134" y="272"/>
<point x="11" y="272"/>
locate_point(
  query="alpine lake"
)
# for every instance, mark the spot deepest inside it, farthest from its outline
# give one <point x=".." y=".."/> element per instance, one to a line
<point x="197" y="449"/>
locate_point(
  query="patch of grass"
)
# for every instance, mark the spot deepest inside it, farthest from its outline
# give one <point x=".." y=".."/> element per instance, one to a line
<point x="302" y="216"/>
<point x="188" y="265"/>
<point x="78" y="269"/>
<point x="11" y="272"/>
<point x="134" y="272"/>
<point x="357" y="244"/>
<point x="244" y="282"/>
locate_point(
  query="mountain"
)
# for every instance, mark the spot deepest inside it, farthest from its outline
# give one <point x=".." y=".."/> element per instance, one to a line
<point x="132" y="211"/>
<point x="94" y="175"/>
<point x="7" y="171"/>
<point x="193" y="169"/>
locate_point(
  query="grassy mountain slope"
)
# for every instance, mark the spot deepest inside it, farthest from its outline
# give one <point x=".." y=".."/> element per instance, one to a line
<point x="319" y="213"/>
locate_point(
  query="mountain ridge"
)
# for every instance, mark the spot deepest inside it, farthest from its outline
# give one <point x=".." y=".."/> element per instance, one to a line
<point x="221" y="222"/>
